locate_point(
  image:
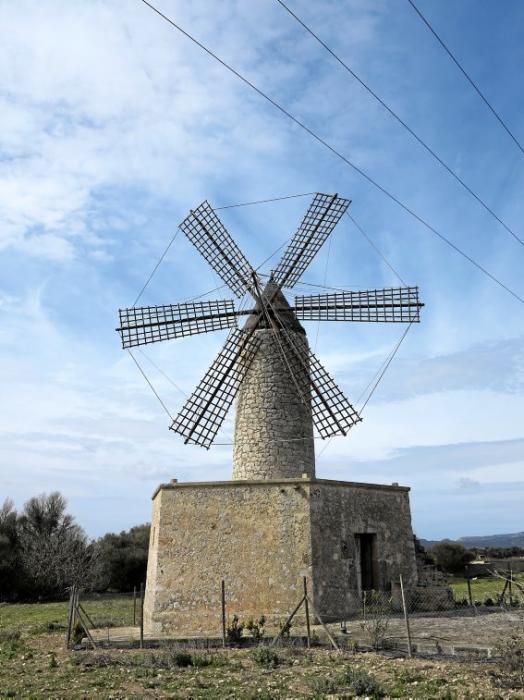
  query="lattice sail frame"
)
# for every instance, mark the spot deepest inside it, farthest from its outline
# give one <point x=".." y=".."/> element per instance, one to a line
<point x="213" y="241"/>
<point x="323" y="215"/>
<point x="142" y="325"/>
<point x="395" y="305"/>
<point x="200" y="418"/>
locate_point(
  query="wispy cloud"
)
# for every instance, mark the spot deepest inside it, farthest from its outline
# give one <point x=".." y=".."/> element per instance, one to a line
<point x="113" y="126"/>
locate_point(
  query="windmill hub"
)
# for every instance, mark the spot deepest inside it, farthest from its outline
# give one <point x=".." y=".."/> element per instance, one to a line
<point x="278" y="310"/>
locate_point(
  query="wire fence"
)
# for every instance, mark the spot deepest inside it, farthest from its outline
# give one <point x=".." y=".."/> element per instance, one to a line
<point x="465" y="618"/>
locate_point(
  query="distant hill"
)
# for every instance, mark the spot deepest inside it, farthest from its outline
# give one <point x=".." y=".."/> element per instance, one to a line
<point x="514" y="539"/>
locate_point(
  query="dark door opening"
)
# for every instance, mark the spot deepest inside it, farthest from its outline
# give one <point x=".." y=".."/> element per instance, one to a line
<point x="368" y="556"/>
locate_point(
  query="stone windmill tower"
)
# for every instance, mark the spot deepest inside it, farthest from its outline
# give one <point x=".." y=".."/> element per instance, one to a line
<point x="283" y="393"/>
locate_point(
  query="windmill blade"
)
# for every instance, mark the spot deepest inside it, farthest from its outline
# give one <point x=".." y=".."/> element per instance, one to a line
<point x="212" y="240"/>
<point x="200" y="418"/>
<point x="331" y="411"/>
<point x="380" y="305"/>
<point x="141" y="325"/>
<point x="321" y="218"/>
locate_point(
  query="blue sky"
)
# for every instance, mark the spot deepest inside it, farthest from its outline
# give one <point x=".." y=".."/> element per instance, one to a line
<point x="114" y="126"/>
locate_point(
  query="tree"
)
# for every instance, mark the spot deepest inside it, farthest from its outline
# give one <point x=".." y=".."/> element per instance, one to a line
<point x="122" y="559"/>
<point x="451" y="557"/>
<point x="10" y="564"/>
<point x="54" y="550"/>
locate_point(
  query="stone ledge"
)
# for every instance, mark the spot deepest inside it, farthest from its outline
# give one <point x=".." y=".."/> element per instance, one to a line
<point x="270" y="482"/>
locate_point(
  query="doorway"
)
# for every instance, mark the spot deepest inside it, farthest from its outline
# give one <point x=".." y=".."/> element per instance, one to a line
<point x="367" y="547"/>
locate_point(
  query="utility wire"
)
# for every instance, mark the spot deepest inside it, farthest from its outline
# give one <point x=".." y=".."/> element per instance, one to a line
<point x="403" y="123"/>
<point x="376" y="249"/>
<point x="468" y="78"/>
<point x="338" y="154"/>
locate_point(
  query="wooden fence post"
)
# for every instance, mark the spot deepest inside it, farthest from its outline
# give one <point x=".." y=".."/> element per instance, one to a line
<point x="406" y="617"/>
<point x="306" y="605"/>
<point x="141" y="615"/>
<point x="470" y="595"/>
<point x="69" y="628"/>
<point x="223" y="599"/>
<point x="134" y="606"/>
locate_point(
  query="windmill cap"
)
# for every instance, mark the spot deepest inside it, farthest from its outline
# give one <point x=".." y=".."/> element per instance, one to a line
<point x="275" y="301"/>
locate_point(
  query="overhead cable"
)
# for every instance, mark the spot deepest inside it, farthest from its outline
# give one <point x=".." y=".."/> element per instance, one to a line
<point x="404" y="124"/>
<point x="337" y="153"/>
<point x="469" y="79"/>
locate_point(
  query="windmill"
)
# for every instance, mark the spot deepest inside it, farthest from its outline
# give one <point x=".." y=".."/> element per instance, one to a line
<point x="283" y="390"/>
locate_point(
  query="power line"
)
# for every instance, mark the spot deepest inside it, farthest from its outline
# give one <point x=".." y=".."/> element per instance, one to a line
<point x="469" y="79"/>
<point x="404" y="124"/>
<point x="339" y="155"/>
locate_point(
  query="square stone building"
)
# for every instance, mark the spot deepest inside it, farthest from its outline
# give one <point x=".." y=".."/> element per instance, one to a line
<point x="262" y="537"/>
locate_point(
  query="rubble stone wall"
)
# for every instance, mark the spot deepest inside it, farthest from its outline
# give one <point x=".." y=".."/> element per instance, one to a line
<point x="273" y="427"/>
<point x="262" y="538"/>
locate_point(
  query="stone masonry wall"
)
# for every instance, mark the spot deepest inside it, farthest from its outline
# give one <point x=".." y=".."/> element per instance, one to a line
<point x="262" y="537"/>
<point x="273" y="427"/>
<point x="339" y="512"/>
<point x="254" y="535"/>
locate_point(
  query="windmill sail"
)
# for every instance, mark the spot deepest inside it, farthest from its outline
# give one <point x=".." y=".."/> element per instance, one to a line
<point x="399" y="305"/>
<point x="141" y="325"/>
<point x="200" y="418"/>
<point x="320" y="219"/>
<point x="213" y="241"/>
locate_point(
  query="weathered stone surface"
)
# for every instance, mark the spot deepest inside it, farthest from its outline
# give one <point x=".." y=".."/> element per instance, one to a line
<point x="262" y="537"/>
<point x="273" y="427"/>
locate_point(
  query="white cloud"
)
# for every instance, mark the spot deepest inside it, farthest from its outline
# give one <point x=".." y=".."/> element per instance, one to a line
<point x="113" y="126"/>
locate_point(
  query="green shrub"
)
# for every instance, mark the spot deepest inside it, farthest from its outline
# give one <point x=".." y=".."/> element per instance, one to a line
<point x="362" y="683"/>
<point x="285" y="629"/>
<point x="9" y="636"/>
<point x="511" y="664"/>
<point x="235" y="630"/>
<point x="256" y="627"/>
<point x="264" y="656"/>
